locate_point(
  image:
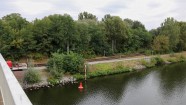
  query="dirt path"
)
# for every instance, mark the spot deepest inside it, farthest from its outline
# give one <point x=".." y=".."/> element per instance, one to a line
<point x="132" y="58"/>
<point x="121" y="59"/>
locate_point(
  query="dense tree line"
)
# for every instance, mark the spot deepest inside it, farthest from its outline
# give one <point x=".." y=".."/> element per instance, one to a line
<point x="87" y="35"/>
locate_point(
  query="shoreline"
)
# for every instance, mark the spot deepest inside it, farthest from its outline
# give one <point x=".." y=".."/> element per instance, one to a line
<point x="108" y="68"/>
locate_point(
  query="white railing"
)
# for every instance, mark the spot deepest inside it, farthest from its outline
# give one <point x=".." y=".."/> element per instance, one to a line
<point x="11" y="91"/>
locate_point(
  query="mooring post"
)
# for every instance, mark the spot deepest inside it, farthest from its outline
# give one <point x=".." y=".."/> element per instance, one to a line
<point x="85" y="72"/>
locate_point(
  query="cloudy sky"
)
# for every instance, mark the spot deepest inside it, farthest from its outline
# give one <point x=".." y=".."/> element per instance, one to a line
<point x="150" y="12"/>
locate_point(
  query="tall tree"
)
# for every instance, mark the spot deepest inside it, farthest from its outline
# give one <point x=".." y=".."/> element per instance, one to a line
<point x="182" y="42"/>
<point x="12" y="35"/>
<point x="42" y="36"/>
<point x="170" y="28"/>
<point x="116" y="31"/>
<point x="86" y="15"/>
<point x="68" y="31"/>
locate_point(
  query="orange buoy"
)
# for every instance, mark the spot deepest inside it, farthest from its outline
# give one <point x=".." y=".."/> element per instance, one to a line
<point x="80" y="85"/>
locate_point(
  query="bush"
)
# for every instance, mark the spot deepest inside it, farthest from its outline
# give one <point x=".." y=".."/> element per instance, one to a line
<point x="79" y="76"/>
<point x="148" y="63"/>
<point x="53" y="81"/>
<point x="60" y="63"/>
<point x="159" y="60"/>
<point x="181" y="58"/>
<point x="55" y="62"/>
<point x="172" y="60"/>
<point x="73" y="63"/>
<point x="148" y="52"/>
<point x="32" y="77"/>
<point x="172" y="54"/>
<point x="36" y="56"/>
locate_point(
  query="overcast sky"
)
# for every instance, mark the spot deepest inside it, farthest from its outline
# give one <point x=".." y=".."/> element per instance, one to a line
<point x="150" y="12"/>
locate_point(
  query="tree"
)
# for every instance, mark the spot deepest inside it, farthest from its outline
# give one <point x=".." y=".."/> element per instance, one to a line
<point x="170" y="28"/>
<point x="86" y="15"/>
<point x="139" y="37"/>
<point x="129" y="22"/>
<point x="98" y="41"/>
<point x="42" y="36"/>
<point x="116" y="31"/>
<point x="182" y="42"/>
<point x="161" y="44"/>
<point x="68" y="31"/>
<point x="82" y="31"/>
<point x="12" y="35"/>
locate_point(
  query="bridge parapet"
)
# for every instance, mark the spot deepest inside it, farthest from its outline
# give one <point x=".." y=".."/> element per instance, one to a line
<point x="11" y="91"/>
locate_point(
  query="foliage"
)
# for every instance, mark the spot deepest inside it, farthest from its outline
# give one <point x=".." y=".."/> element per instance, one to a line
<point x="171" y="29"/>
<point x="55" y="66"/>
<point x="172" y="54"/>
<point x="181" y="58"/>
<point x="182" y="42"/>
<point x="53" y="81"/>
<point x="148" y="52"/>
<point x="59" y="63"/>
<point x="159" y="60"/>
<point x="116" y="32"/>
<point x="161" y="44"/>
<point x="73" y="63"/>
<point x="86" y="15"/>
<point x="79" y="76"/>
<point x="148" y="62"/>
<point x="172" y="60"/>
<point x="155" y="61"/>
<point x="31" y="77"/>
<point x="87" y="36"/>
<point x="118" y="69"/>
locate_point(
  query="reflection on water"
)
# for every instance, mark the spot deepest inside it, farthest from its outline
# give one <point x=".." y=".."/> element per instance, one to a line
<point x="157" y="86"/>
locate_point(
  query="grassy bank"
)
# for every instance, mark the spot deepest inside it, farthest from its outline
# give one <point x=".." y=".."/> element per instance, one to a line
<point x="103" y="69"/>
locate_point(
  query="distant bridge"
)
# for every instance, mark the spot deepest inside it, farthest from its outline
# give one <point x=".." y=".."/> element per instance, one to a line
<point x="11" y="93"/>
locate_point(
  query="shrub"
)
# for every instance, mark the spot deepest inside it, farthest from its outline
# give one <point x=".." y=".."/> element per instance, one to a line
<point x="60" y="63"/>
<point x="172" y="60"/>
<point x="32" y="77"/>
<point x="36" y="56"/>
<point x="79" y="76"/>
<point x="55" y="63"/>
<point x="148" y="52"/>
<point x="73" y="63"/>
<point x="56" y="73"/>
<point x="159" y="60"/>
<point x="53" y="81"/>
<point x="181" y="58"/>
<point x="172" y="54"/>
<point x="148" y="63"/>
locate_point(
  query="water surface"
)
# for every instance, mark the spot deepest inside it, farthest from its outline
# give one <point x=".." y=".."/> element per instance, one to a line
<point x="157" y="86"/>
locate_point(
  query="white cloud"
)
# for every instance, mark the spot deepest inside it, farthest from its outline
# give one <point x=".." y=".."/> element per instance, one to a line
<point x="32" y="8"/>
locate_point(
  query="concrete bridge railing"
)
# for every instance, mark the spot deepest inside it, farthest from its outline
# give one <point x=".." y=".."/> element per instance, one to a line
<point x="11" y="91"/>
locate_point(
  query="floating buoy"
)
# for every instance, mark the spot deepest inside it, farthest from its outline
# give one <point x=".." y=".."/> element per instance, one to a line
<point x="80" y="86"/>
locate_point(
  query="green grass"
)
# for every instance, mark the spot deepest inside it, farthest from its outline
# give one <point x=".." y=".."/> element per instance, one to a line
<point x="103" y="70"/>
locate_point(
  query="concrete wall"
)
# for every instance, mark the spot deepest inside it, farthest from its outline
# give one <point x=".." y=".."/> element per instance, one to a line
<point x="12" y="92"/>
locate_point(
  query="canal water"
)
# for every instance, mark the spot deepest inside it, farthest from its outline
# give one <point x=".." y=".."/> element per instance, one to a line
<point x="164" y="85"/>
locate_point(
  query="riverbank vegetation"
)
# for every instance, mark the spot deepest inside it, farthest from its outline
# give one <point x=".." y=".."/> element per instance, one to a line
<point x="31" y="77"/>
<point x="60" y="64"/>
<point x="87" y="36"/>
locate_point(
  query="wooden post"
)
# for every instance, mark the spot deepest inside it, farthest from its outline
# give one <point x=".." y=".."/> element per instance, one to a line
<point x="85" y="72"/>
